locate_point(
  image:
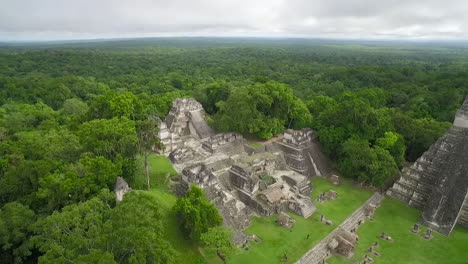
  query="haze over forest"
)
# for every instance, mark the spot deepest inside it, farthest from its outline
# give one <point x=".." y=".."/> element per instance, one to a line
<point x="26" y="20"/>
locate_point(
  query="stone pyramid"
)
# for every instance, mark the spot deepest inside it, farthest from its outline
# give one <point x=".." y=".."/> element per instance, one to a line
<point x="437" y="183"/>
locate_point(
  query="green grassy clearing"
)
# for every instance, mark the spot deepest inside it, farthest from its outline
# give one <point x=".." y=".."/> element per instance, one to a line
<point x="255" y="145"/>
<point x="396" y="219"/>
<point x="277" y="240"/>
<point x="159" y="167"/>
<point x="188" y="252"/>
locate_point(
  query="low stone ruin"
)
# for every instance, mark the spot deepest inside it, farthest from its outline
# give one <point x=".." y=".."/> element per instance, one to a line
<point x="343" y="243"/>
<point x="121" y="188"/>
<point x="223" y="142"/>
<point x="330" y="195"/>
<point x="415" y="229"/>
<point x="325" y="220"/>
<point x="437" y="182"/>
<point x="199" y="175"/>
<point x="384" y="236"/>
<point x="335" y="179"/>
<point x="428" y="234"/>
<point x="181" y="155"/>
<point x="285" y="220"/>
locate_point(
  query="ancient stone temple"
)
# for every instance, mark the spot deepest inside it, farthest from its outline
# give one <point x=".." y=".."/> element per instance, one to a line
<point x="302" y="153"/>
<point x="187" y="117"/>
<point x="241" y="181"/>
<point x="437" y="183"/>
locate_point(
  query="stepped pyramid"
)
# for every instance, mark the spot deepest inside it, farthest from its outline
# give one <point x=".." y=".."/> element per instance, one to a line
<point x="437" y="183"/>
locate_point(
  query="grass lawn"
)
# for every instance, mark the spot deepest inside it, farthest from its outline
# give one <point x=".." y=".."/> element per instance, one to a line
<point x="159" y="167"/>
<point x="277" y="240"/>
<point x="396" y="219"/>
<point x="255" y="145"/>
<point x="188" y="252"/>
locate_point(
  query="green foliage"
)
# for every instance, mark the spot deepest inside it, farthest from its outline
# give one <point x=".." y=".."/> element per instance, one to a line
<point x="15" y="220"/>
<point x="366" y="164"/>
<point x="394" y="143"/>
<point x="94" y="231"/>
<point x="160" y="104"/>
<point x="54" y="144"/>
<point x="78" y="182"/>
<point x="196" y="213"/>
<point x="267" y="178"/>
<point x="419" y="134"/>
<point x="210" y="95"/>
<point x="109" y="137"/>
<point x="218" y="240"/>
<point x="75" y="107"/>
<point x="25" y="117"/>
<point x="114" y="104"/>
<point x="261" y="109"/>
<point x="136" y="232"/>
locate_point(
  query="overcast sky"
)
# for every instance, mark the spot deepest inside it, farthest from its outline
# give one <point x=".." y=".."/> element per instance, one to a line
<point x="80" y="19"/>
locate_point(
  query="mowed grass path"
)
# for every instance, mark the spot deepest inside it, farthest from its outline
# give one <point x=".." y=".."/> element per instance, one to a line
<point x="276" y="240"/>
<point x="396" y="219"/>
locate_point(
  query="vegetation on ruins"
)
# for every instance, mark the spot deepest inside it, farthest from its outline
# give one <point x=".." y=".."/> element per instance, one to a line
<point x="196" y="213"/>
<point x="70" y="118"/>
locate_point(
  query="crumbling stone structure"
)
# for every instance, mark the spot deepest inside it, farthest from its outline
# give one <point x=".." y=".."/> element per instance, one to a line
<point x="238" y="180"/>
<point x="285" y="220"/>
<point x="302" y="153"/>
<point x="224" y="142"/>
<point x="120" y="189"/>
<point x="262" y="186"/>
<point x="343" y="243"/>
<point x="187" y="117"/>
<point x="437" y="183"/>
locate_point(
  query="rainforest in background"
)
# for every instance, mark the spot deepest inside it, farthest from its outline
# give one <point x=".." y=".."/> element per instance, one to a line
<point x="70" y="113"/>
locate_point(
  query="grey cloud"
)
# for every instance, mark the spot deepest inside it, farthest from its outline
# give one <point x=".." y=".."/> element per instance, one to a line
<point x="33" y="19"/>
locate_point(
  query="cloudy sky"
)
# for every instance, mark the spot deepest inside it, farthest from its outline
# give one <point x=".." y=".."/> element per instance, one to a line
<point x="84" y="19"/>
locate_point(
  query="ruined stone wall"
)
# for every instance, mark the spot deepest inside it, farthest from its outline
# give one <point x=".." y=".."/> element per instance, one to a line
<point x="224" y="142"/>
<point x="252" y="151"/>
<point x="320" y="251"/>
<point x="308" y="161"/>
<point x="254" y="204"/>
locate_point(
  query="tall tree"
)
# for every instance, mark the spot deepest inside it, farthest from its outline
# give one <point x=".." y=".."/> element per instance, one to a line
<point x="196" y="213"/>
<point x="15" y="220"/>
<point x="148" y="141"/>
<point x="218" y="240"/>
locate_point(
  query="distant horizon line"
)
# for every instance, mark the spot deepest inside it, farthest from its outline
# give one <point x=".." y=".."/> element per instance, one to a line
<point x="97" y="39"/>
